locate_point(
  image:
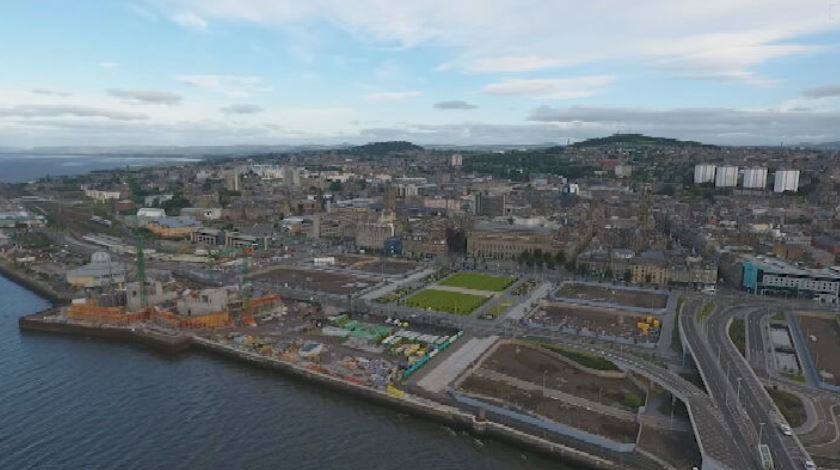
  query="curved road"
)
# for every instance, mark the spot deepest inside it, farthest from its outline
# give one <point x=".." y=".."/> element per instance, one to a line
<point x="736" y="389"/>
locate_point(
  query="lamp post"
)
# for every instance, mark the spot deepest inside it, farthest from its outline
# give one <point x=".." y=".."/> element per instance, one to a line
<point x="544" y="374"/>
<point x="738" y="395"/>
<point x="760" y="432"/>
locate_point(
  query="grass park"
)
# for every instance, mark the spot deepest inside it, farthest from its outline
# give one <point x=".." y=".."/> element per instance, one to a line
<point x="445" y="301"/>
<point x="476" y="281"/>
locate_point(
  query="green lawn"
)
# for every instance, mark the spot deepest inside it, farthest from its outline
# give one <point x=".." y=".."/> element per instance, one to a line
<point x="478" y="282"/>
<point x="445" y="301"/>
<point x="790" y="405"/>
<point x="738" y="334"/>
<point x="706" y="311"/>
<point x="500" y="309"/>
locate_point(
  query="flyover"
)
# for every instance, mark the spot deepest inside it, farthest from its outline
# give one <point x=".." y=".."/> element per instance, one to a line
<point x="735" y="388"/>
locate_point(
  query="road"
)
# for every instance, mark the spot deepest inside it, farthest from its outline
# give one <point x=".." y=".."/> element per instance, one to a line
<point x="759" y="348"/>
<point x="735" y="388"/>
<point x="820" y="434"/>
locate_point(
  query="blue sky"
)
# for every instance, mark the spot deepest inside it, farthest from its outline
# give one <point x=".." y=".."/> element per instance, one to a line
<point x="207" y="72"/>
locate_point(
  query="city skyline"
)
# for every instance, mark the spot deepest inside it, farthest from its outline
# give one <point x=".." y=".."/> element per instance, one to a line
<point x="272" y="72"/>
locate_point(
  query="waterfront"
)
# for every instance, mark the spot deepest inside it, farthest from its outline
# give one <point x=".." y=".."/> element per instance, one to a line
<point x="76" y="403"/>
<point x="19" y="168"/>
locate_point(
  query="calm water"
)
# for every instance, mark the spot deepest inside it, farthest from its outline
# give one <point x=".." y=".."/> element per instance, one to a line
<point x="72" y="403"/>
<point x="17" y="168"/>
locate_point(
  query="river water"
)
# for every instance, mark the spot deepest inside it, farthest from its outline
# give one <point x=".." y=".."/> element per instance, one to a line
<point x="20" y="167"/>
<point x="76" y="403"/>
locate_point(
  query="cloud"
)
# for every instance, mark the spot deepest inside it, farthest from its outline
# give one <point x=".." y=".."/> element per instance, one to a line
<point x="109" y="65"/>
<point x="828" y="91"/>
<point x="389" y="96"/>
<point x="44" y="110"/>
<point x="554" y="88"/>
<point x="45" y="92"/>
<point x="454" y="104"/>
<point x="714" y="125"/>
<point x="231" y="85"/>
<point x="145" y="96"/>
<point x="190" y="20"/>
<point x="242" y="108"/>
<point x="710" y="40"/>
<point x="513" y="64"/>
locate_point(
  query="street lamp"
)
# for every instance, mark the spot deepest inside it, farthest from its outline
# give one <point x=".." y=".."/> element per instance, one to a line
<point x="544" y="374"/>
<point x="738" y="394"/>
<point x="760" y="432"/>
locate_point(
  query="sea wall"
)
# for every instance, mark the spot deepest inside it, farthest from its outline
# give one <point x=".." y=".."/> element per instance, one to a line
<point x="415" y="405"/>
<point x="40" y="323"/>
<point x="14" y="274"/>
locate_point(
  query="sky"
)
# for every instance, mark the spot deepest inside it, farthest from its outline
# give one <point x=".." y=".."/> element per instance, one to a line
<point x="225" y="72"/>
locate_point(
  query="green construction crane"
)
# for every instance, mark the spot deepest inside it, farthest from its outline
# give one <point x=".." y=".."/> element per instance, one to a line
<point x="141" y="267"/>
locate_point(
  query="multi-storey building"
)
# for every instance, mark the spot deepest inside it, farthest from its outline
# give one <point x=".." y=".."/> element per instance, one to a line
<point x="770" y="276"/>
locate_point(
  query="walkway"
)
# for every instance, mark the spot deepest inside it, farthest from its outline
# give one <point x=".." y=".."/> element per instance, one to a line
<point x="439" y="378"/>
<point x="392" y="286"/>
<point x="524" y="307"/>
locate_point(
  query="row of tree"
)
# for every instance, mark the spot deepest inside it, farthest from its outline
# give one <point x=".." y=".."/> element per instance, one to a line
<point x="538" y="258"/>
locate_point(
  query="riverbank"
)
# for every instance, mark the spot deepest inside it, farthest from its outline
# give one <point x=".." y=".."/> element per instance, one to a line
<point x="415" y="405"/>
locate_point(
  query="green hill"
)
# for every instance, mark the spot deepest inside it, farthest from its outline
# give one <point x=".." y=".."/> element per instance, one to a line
<point x="638" y="139"/>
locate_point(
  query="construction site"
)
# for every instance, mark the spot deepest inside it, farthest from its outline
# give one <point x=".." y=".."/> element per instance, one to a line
<point x="617" y="325"/>
<point x="577" y="395"/>
<point x="613" y="295"/>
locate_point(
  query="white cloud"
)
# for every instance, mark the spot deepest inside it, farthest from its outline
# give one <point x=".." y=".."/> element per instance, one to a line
<point x="713" y="39"/>
<point x="712" y="125"/>
<point x="231" y="85"/>
<point x="828" y="91"/>
<point x="242" y="108"/>
<point x="553" y="88"/>
<point x="454" y="104"/>
<point x="46" y="92"/>
<point x="58" y="110"/>
<point x="145" y="96"/>
<point x="190" y="20"/>
<point x="513" y="64"/>
<point x="108" y="65"/>
<point x="30" y="117"/>
<point x="389" y="96"/>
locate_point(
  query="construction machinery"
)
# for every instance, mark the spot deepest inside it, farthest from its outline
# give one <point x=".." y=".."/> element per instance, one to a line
<point x="246" y="316"/>
<point x="141" y="267"/>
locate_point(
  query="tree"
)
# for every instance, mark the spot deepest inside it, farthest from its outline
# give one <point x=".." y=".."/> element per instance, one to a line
<point x="529" y="260"/>
<point x="336" y="186"/>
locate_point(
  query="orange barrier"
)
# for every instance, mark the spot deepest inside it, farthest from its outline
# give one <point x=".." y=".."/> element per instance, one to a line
<point x="172" y="320"/>
<point x="216" y="320"/>
<point x="264" y="301"/>
<point x="110" y="315"/>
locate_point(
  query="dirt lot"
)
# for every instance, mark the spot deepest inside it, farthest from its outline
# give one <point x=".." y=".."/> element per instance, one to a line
<point x="614" y="295"/>
<point x="677" y="448"/>
<point x="375" y="264"/>
<point x="555" y="410"/>
<point x="315" y="280"/>
<point x="76" y="219"/>
<point x="530" y="364"/>
<point x="826" y="348"/>
<point x="611" y="322"/>
<point x="388" y="266"/>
